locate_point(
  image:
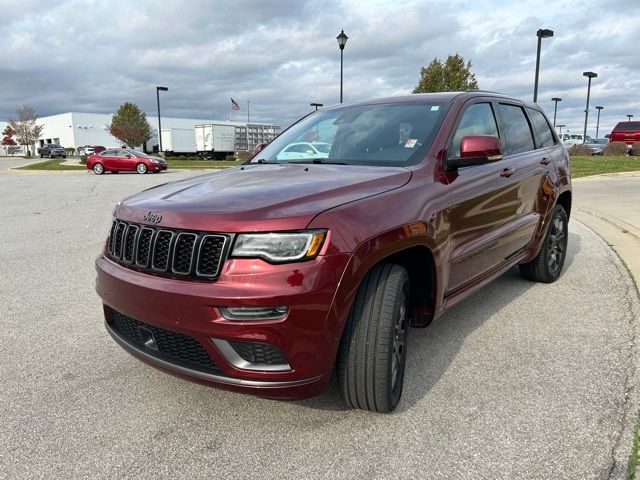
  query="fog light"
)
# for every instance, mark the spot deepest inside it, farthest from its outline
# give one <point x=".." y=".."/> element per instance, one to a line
<point x="253" y="313"/>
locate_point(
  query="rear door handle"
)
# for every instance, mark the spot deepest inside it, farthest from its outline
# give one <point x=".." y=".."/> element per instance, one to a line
<point x="545" y="161"/>
<point x="507" y="172"/>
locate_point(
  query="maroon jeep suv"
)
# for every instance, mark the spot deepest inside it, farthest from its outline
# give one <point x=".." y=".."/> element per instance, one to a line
<point x="265" y="278"/>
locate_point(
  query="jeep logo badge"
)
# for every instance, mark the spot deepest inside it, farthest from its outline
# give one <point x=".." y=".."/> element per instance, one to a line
<point x="152" y="217"/>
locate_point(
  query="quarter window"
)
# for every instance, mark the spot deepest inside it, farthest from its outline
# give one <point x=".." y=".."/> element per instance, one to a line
<point x="517" y="130"/>
<point x="545" y="134"/>
<point x="477" y="119"/>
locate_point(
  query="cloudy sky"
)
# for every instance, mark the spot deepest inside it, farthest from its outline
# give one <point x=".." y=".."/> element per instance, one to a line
<point x="90" y="56"/>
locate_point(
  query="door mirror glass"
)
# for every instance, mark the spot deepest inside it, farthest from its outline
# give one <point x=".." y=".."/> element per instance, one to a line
<point x="476" y="150"/>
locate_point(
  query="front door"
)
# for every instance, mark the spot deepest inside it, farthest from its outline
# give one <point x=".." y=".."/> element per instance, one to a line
<point x="485" y="204"/>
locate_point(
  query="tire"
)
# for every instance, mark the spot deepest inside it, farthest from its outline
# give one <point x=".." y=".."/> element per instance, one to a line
<point x="98" y="169"/>
<point x="41" y="156"/>
<point x="50" y="155"/>
<point x="141" y="168"/>
<point x="547" y="265"/>
<point x="64" y="156"/>
<point x="372" y="355"/>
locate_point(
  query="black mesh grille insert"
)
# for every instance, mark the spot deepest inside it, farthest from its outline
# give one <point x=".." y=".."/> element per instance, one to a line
<point x="172" y="346"/>
<point x="210" y="255"/>
<point x="183" y="252"/>
<point x="161" y="251"/>
<point x="168" y="251"/>
<point x="260" y="353"/>
<point x="129" y="243"/>
<point x="144" y="247"/>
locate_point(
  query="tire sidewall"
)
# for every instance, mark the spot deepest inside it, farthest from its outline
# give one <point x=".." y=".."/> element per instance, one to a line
<point x="99" y="170"/>
<point x="140" y="167"/>
<point x="558" y="211"/>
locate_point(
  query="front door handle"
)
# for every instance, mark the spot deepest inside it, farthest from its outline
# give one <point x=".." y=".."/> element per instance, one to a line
<point x="545" y="161"/>
<point x="507" y="172"/>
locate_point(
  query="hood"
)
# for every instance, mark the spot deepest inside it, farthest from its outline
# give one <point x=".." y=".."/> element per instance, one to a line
<point x="259" y="197"/>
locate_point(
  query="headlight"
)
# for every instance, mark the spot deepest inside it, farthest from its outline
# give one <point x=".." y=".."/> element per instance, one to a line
<point x="154" y="160"/>
<point x="280" y="247"/>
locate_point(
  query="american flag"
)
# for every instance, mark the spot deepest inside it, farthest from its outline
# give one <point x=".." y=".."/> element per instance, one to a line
<point x="234" y="105"/>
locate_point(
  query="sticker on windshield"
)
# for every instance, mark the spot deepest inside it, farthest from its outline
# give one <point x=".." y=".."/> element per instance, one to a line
<point x="435" y="108"/>
<point x="410" y="143"/>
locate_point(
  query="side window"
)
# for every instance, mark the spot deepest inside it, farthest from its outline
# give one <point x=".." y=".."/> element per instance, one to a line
<point x="516" y="128"/>
<point x="545" y="134"/>
<point x="108" y="153"/>
<point x="477" y="119"/>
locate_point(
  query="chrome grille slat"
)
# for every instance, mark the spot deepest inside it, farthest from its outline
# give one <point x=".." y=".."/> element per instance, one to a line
<point x="168" y="251"/>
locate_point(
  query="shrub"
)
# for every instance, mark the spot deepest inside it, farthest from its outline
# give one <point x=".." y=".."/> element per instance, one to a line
<point x="244" y="155"/>
<point x="69" y="151"/>
<point x="230" y="158"/>
<point x="83" y="159"/>
<point x="635" y="149"/>
<point x="580" y="150"/>
<point x="615" y="149"/>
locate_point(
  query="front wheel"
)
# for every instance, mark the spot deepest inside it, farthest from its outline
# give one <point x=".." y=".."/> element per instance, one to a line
<point x="547" y="265"/>
<point x="373" y="349"/>
<point x="141" y="168"/>
<point x="50" y="155"/>
<point x="98" y="169"/>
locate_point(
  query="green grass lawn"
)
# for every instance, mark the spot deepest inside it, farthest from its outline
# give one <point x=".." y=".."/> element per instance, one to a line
<point x="53" y="164"/>
<point x="595" y="165"/>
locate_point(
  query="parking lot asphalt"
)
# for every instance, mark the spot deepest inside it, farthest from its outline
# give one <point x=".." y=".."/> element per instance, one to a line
<point x="521" y="380"/>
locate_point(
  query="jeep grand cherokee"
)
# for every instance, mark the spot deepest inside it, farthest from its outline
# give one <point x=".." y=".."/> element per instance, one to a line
<point x="263" y="278"/>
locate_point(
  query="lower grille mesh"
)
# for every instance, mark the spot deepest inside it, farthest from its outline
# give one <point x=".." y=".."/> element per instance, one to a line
<point x="259" y="353"/>
<point x="172" y="346"/>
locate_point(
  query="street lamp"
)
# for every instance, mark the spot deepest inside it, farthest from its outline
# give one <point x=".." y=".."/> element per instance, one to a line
<point x="541" y="33"/>
<point x="555" y="109"/>
<point x="342" y="41"/>
<point x="598" y="124"/>
<point x="158" y="90"/>
<point x="316" y="105"/>
<point x="589" y="75"/>
<point x="560" y="125"/>
<point x="629" y="117"/>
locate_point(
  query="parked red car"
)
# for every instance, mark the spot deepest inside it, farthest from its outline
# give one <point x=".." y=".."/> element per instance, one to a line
<point x="125" y="159"/>
<point x="263" y="278"/>
<point x="627" y="132"/>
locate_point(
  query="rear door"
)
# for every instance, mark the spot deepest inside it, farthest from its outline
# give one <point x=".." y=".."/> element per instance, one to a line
<point x="485" y="202"/>
<point x="108" y="159"/>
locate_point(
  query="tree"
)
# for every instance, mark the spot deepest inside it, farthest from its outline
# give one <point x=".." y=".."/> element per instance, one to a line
<point x="25" y="128"/>
<point x="451" y="76"/>
<point x="8" y="141"/>
<point x="130" y="125"/>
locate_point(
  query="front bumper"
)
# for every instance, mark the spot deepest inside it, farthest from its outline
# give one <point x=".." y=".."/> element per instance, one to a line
<point x="189" y="308"/>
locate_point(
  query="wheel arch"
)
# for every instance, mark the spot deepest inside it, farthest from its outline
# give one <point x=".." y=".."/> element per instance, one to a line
<point x="565" y="200"/>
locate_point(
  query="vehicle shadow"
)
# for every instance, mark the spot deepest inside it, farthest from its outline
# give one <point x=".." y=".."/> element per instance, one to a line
<point x="432" y="350"/>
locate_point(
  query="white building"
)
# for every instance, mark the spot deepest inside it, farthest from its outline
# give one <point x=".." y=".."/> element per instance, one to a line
<point x="74" y="129"/>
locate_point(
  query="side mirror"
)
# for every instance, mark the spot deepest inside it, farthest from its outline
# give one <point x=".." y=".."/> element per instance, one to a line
<point x="259" y="148"/>
<point x="128" y="155"/>
<point x="476" y="150"/>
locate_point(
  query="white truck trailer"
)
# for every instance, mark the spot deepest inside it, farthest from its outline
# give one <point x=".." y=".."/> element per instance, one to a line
<point x="178" y="141"/>
<point x="215" y="140"/>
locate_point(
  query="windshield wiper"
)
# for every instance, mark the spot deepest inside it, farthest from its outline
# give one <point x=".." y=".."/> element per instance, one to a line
<point x="262" y="160"/>
<point x="324" y="161"/>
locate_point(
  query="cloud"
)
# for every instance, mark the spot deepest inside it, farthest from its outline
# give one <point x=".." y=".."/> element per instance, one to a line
<point x="281" y="55"/>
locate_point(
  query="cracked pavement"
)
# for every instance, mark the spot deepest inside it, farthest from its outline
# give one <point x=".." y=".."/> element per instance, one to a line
<point x="521" y="380"/>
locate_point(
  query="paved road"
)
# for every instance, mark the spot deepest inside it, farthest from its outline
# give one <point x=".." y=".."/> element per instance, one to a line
<point x="522" y="380"/>
<point x="12" y="162"/>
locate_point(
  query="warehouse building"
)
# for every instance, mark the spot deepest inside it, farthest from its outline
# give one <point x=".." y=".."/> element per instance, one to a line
<point x="75" y="129"/>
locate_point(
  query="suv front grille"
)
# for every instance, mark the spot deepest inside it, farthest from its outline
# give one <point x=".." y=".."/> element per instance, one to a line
<point x="170" y="346"/>
<point x="169" y="251"/>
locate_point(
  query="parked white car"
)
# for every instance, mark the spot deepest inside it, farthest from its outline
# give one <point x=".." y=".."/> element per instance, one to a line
<point x="301" y="150"/>
<point x="569" y="139"/>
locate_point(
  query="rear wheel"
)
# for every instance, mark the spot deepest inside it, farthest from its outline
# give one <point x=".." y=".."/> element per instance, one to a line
<point x="373" y="350"/>
<point x="98" y="169"/>
<point x="141" y="168"/>
<point x="547" y="265"/>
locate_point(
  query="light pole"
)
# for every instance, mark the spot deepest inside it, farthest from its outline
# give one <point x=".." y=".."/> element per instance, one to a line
<point x="555" y="109"/>
<point x="560" y="125"/>
<point x="541" y="33"/>
<point x="629" y="117"/>
<point x="589" y="75"/>
<point x="598" y="124"/>
<point x="342" y="41"/>
<point x="248" y="101"/>
<point x="158" y="90"/>
<point x="316" y="105"/>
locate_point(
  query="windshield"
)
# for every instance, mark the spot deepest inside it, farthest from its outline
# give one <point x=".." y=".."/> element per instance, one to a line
<point x="395" y="134"/>
<point x="138" y="153"/>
